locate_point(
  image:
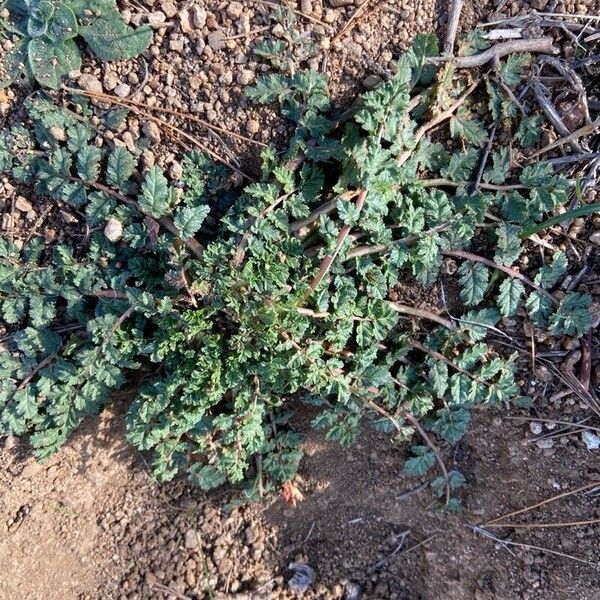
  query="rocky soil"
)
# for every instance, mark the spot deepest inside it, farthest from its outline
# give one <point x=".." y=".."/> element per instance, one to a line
<point x="90" y="524"/>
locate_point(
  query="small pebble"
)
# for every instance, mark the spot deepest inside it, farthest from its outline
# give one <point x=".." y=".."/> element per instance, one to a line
<point x="22" y="204"/>
<point x="252" y="127"/>
<point x="123" y="90"/>
<point x="545" y="444"/>
<point x="535" y="427"/>
<point x="590" y="439"/>
<point x="113" y="230"/>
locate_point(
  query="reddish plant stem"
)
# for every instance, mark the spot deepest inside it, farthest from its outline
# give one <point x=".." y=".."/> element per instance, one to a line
<point x="415" y="423"/>
<point x="42" y="364"/>
<point x="421" y="314"/>
<point x="341" y="238"/>
<point x="450" y="363"/>
<point x="240" y="250"/>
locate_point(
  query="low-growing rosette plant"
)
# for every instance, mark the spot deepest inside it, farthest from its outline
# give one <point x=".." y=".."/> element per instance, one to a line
<point x="39" y="37"/>
<point x="237" y="305"/>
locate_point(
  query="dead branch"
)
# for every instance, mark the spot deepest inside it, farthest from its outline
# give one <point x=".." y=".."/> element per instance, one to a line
<point x="582" y="488"/>
<point x="542" y="45"/>
<point x="551" y="113"/>
<point x="585" y="130"/>
<point x="452" y="29"/>
<point x="530" y="546"/>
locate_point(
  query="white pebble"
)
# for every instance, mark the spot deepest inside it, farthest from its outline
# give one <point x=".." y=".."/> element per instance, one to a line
<point x="590" y="439"/>
<point x="536" y="428"/>
<point x="113" y="230"/>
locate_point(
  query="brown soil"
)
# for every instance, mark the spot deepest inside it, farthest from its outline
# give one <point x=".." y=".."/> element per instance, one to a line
<point x="89" y="524"/>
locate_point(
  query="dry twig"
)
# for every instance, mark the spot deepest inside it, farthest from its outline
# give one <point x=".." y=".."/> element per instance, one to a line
<point x="452" y="29"/>
<point x="542" y="45"/>
<point x="582" y="488"/>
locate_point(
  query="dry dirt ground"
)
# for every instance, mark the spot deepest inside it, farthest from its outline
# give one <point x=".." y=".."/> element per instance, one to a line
<point x="90" y="524"/>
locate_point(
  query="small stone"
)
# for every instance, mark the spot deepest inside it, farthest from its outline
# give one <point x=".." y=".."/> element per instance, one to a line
<point x="148" y="160"/>
<point x="590" y="439"/>
<point x="330" y="17"/>
<point x="11" y="442"/>
<point x="340" y="3"/>
<point x="252" y="535"/>
<point x="176" y="170"/>
<point x="535" y="427"/>
<point x="58" y="133"/>
<point x="595" y="237"/>
<point x="352" y="591"/>
<point x="113" y="230"/>
<point x="196" y="82"/>
<point x="252" y="127"/>
<point x="123" y="90"/>
<point x="190" y="578"/>
<point x="128" y="141"/>
<point x="177" y="44"/>
<point x="198" y="16"/>
<point x="370" y="82"/>
<point x="234" y="10"/>
<point x="185" y="21"/>
<point x="303" y="577"/>
<point x="169" y="8"/>
<point x="110" y="80"/>
<point x="156" y="19"/>
<point x="23" y="204"/>
<point x="152" y="132"/>
<point x="225" y="566"/>
<point x="215" y="40"/>
<point x="191" y="539"/>
<point x="246" y="77"/>
<point x="545" y="444"/>
<point x="90" y="83"/>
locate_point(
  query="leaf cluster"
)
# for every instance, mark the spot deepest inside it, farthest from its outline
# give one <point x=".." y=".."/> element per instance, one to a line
<point x="41" y="37"/>
<point x="234" y="325"/>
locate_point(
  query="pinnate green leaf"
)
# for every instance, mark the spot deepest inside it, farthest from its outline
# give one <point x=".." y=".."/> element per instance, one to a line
<point x="461" y="165"/>
<point x="509" y="296"/>
<point x="474" y="278"/>
<point x="573" y="316"/>
<point x="550" y="275"/>
<point x="189" y="219"/>
<point x="419" y="464"/>
<point x="508" y="246"/>
<point x="511" y="70"/>
<point x="119" y="168"/>
<point x="468" y="129"/>
<point x="500" y="165"/>
<point x="154" y="197"/>
<point x="207" y="477"/>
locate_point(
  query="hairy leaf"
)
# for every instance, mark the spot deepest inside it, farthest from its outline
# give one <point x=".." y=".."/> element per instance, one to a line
<point x="189" y="219"/>
<point x="474" y="278"/>
<point x="509" y="296"/>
